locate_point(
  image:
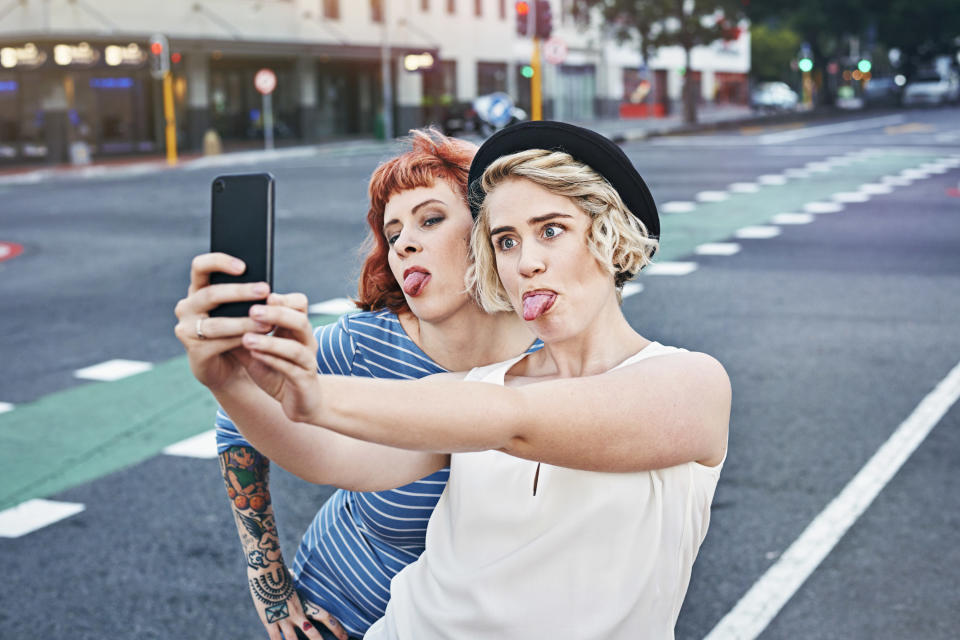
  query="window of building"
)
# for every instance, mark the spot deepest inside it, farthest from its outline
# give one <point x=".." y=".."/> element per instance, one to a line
<point x="503" y="9"/>
<point x="331" y="9"/>
<point x="425" y="5"/>
<point x="491" y="77"/>
<point x="478" y="8"/>
<point x="451" y="6"/>
<point x="376" y="10"/>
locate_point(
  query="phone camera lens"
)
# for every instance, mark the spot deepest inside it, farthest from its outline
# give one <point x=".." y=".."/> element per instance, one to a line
<point x="220" y="186"/>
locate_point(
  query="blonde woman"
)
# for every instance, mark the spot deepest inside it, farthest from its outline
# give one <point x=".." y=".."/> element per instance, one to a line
<point x="581" y="476"/>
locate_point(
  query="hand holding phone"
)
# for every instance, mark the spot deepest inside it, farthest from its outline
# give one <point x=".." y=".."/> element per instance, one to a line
<point x="241" y="225"/>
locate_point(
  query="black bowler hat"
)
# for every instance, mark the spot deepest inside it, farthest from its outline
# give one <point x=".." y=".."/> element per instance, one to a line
<point x="589" y="147"/>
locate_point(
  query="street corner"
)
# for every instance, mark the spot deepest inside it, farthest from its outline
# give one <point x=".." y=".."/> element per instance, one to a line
<point x="9" y="250"/>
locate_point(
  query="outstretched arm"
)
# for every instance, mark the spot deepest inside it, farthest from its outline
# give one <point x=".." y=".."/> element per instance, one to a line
<point x="656" y="413"/>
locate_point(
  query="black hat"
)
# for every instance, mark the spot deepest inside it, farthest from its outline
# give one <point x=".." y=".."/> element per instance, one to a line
<point x="589" y="147"/>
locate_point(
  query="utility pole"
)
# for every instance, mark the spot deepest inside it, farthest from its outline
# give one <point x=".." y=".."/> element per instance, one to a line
<point x="386" y="74"/>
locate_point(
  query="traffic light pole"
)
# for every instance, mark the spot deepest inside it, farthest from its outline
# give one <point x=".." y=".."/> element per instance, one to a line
<point x="536" y="84"/>
<point x="170" y="117"/>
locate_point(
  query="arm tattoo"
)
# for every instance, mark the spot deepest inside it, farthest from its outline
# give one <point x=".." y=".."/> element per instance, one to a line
<point x="273" y="589"/>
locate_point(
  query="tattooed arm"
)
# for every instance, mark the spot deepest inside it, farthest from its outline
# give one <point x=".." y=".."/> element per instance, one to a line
<point x="246" y="474"/>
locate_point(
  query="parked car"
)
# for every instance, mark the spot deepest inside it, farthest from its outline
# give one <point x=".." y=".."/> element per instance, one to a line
<point x="882" y="92"/>
<point x="774" y="96"/>
<point x="931" y="88"/>
<point x="483" y="116"/>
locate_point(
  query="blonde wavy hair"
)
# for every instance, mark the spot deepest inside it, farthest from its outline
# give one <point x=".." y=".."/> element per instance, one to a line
<point x="616" y="238"/>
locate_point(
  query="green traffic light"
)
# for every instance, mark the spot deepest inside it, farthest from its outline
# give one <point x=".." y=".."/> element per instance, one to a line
<point x="805" y="64"/>
<point x="527" y="71"/>
<point x="864" y="66"/>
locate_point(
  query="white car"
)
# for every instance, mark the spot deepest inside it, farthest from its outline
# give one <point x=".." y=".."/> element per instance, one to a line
<point x="931" y="88"/>
<point x="774" y="96"/>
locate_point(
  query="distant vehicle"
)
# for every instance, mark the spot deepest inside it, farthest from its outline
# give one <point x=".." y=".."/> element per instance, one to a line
<point x="931" y="88"/>
<point x="882" y="92"/>
<point x="774" y="96"/>
<point x="486" y="114"/>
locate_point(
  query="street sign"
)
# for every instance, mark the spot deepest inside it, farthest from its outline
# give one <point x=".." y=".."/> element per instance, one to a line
<point x="555" y="50"/>
<point x="265" y="81"/>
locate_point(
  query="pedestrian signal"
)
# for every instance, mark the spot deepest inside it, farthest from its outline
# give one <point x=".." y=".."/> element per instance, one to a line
<point x="523" y="18"/>
<point x="805" y="65"/>
<point x="544" y="19"/>
<point x="159" y="56"/>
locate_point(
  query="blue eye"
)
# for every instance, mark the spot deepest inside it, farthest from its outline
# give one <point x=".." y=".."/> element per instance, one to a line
<point x="552" y="231"/>
<point x="506" y="243"/>
<point x="392" y="238"/>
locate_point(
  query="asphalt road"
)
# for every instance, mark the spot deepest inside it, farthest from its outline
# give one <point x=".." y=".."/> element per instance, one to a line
<point x="833" y="331"/>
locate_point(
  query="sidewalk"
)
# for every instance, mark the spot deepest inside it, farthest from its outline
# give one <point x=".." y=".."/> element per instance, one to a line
<point x="620" y="130"/>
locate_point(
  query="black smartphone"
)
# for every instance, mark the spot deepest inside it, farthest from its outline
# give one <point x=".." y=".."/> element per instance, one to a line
<point x="241" y="225"/>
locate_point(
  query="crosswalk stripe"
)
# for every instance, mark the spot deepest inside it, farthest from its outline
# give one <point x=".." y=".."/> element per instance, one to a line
<point x="32" y="515"/>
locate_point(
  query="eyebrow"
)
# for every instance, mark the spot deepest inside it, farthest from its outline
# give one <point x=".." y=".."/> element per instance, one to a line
<point x="415" y="209"/>
<point x="531" y="221"/>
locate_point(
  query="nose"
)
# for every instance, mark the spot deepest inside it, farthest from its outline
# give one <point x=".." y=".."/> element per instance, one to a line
<point x="406" y="243"/>
<point x="531" y="262"/>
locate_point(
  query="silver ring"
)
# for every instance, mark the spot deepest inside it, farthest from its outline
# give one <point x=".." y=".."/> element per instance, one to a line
<point x="200" y="328"/>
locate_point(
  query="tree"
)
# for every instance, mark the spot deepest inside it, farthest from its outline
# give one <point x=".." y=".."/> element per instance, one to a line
<point x="771" y="51"/>
<point x="665" y="23"/>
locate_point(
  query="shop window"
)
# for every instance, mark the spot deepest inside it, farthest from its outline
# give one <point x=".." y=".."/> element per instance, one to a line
<point x="503" y="9"/>
<point x="9" y="123"/>
<point x="478" y="8"/>
<point x="425" y="5"/>
<point x="491" y="77"/>
<point x="331" y="9"/>
<point x="376" y="10"/>
<point x="451" y="6"/>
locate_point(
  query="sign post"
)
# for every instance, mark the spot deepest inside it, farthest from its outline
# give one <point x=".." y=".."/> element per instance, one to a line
<point x="265" y="81"/>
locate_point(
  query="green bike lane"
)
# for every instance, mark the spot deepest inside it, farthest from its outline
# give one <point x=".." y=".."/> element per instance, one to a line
<point x="80" y="434"/>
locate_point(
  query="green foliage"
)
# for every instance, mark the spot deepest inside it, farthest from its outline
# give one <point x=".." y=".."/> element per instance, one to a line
<point x="771" y="52"/>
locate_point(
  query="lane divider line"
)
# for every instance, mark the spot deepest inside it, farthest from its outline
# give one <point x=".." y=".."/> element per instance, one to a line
<point x="823" y="207"/>
<point x="32" y="515"/>
<point x="758" y="607"/>
<point x="744" y="187"/>
<point x="678" y="206"/>
<point x="203" y="446"/>
<point x="712" y="196"/>
<point x="840" y="127"/>
<point x="757" y="232"/>
<point x="792" y="218"/>
<point x="850" y="196"/>
<point x="6" y="406"/>
<point x="717" y="249"/>
<point x="772" y="179"/>
<point x="112" y="370"/>
<point x="670" y="268"/>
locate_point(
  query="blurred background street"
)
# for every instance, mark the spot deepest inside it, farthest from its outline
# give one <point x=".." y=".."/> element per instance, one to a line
<point x="810" y="223"/>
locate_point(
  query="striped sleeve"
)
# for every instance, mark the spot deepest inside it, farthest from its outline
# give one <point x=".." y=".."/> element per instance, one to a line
<point x="335" y="355"/>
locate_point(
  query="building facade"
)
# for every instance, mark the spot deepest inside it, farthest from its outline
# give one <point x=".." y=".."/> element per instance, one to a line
<point x="77" y="70"/>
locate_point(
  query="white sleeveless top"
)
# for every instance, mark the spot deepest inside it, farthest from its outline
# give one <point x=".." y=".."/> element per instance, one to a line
<point x="591" y="555"/>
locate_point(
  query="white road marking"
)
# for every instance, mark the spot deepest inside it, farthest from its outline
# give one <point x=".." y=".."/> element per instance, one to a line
<point x="796" y="173"/>
<point x="670" y="268"/>
<point x="712" y="196"/>
<point x="112" y="370"/>
<point x="896" y="181"/>
<point x="5" y="406"/>
<point x="792" y="218"/>
<point x="840" y="161"/>
<point x="934" y="167"/>
<point x="631" y="289"/>
<point x="4" y="251"/>
<point x="678" y="206"/>
<point x="31" y="515"/>
<point x="774" y="179"/>
<point x="953" y="163"/>
<point x="819" y="167"/>
<point x="823" y="207"/>
<point x="203" y="445"/>
<point x="717" y="249"/>
<point x="744" y="187"/>
<point x="841" y="127"/>
<point x="751" y="615"/>
<point x="874" y="189"/>
<point x="914" y="174"/>
<point x="758" y="232"/>
<point x="850" y="196"/>
<point x="332" y="307"/>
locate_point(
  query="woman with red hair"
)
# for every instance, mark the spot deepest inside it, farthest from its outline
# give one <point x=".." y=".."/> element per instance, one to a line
<point x="418" y="318"/>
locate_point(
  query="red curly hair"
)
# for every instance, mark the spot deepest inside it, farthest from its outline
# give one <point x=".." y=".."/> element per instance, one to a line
<point x="433" y="157"/>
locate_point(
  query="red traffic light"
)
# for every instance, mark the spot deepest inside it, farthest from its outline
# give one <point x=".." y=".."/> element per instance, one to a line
<point x="523" y="8"/>
<point x="156" y="48"/>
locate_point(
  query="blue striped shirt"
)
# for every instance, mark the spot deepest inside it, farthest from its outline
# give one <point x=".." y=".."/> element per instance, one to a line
<point x="360" y="540"/>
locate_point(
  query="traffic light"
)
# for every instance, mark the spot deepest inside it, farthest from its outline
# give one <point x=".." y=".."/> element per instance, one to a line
<point x="544" y="19"/>
<point x="526" y="71"/>
<point x="159" y="56"/>
<point x="864" y="66"/>
<point x="805" y="65"/>
<point x="523" y="17"/>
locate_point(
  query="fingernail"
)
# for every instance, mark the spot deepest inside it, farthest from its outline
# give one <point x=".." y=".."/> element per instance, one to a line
<point x="257" y="311"/>
<point x="238" y="265"/>
<point x="261" y="289"/>
<point x="250" y="339"/>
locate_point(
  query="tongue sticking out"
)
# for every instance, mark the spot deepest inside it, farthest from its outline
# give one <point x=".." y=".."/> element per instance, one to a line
<point x="537" y="304"/>
<point x="414" y="282"/>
